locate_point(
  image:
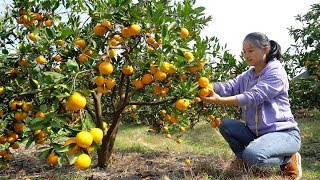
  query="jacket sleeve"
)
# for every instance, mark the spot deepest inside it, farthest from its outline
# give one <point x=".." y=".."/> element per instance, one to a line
<point x="229" y="88"/>
<point x="267" y="88"/>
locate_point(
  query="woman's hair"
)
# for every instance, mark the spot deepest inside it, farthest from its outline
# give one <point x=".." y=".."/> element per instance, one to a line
<point x="261" y="40"/>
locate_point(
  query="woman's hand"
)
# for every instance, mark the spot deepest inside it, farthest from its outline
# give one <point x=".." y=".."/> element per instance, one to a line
<point x="211" y="98"/>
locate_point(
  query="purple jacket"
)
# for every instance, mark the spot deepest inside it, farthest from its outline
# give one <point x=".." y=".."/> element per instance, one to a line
<point x="269" y="95"/>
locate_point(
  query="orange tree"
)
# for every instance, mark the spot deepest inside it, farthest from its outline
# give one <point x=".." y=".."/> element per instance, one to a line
<point x="305" y="90"/>
<point x="72" y="68"/>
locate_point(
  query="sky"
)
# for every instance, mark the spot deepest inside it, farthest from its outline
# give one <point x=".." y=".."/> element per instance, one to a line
<point x="233" y="19"/>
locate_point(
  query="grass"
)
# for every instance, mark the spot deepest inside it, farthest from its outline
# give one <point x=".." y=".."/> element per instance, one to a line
<point x="204" y="140"/>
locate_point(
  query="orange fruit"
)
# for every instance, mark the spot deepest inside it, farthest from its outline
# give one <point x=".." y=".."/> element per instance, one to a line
<point x="204" y="92"/>
<point x="8" y="157"/>
<point x="173" y="118"/>
<point x="138" y="84"/>
<point x="80" y="43"/>
<point x="88" y="52"/>
<point x="48" y="23"/>
<point x="60" y="42"/>
<point x="76" y="102"/>
<point x="27" y="106"/>
<point x="112" y="53"/>
<point x="57" y="58"/>
<point x="3" y="139"/>
<point x="193" y="69"/>
<point x="203" y="82"/>
<point x="165" y="128"/>
<point x="15" y="146"/>
<point x="201" y="64"/>
<point x="187" y="162"/>
<point x="52" y="158"/>
<point x="125" y="32"/>
<point x="18" y="127"/>
<point x="157" y="90"/>
<point x="84" y="139"/>
<point x="197" y="99"/>
<point x="182" y="104"/>
<point x="117" y="37"/>
<point x="160" y="75"/>
<point x="99" y="30"/>
<point x="20" y="116"/>
<point x="14" y="104"/>
<point x="168" y="136"/>
<point x="127" y="69"/>
<point x="188" y="55"/>
<point x="110" y="83"/>
<point x="217" y="121"/>
<point x="97" y="134"/>
<point x="165" y="67"/>
<point x="316" y="62"/>
<point x="40" y="114"/>
<point x="151" y="40"/>
<point x="83" y="161"/>
<point x="41" y="60"/>
<point x="100" y="80"/>
<point x="213" y="124"/>
<point x="33" y="37"/>
<point x="106" y="23"/>
<point x="163" y="112"/>
<point x="105" y="68"/>
<point x="153" y="69"/>
<point x="179" y="141"/>
<point x="182" y="129"/>
<point x="103" y="90"/>
<point x="134" y="29"/>
<point x="82" y="58"/>
<point x="212" y="117"/>
<point x="147" y="78"/>
<point x="1" y="90"/>
<point x="184" y="32"/>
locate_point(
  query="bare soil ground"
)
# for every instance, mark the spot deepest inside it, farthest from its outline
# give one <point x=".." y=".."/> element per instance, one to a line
<point x="132" y="165"/>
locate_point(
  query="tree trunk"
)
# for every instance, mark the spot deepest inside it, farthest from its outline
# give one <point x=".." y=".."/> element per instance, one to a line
<point x="106" y="148"/>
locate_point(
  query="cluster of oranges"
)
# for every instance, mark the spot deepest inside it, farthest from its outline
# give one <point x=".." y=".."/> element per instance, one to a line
<point x="82" y="145"/>
<point x="27" y="18"/>
<point x="214" y="121"/>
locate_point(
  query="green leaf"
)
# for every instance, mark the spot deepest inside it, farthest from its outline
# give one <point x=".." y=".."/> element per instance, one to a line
<point x="73" y="159"/>
<point x="72" y="65"/>
<point x="164" y="31"/>
<point x="82" y="6"/>
<point x="5" y="51"/>
<point x="199" y="9"/>
<point x="31" y="140"/>
<point x="43" y="108"/>
<point x="38" y="125"/>
<point x="44" y="154"/>
<point x="66" y="32"/>
<point x="50" y="33"/>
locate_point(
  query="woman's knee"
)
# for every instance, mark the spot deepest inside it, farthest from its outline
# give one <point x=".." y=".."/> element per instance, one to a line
<point x="225" y="123"/>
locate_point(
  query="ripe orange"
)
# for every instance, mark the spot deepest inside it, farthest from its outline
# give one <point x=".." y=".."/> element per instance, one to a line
<point x="82" y="58"/>
<point x="153" y="69"/>
<point x="80" y="43"/>
<point x="212" y="117"/>
<point x="27" y="106"/>
<point x="41" y="60"/>
<point x="197" y="99"/>
<point x="182" y="129"/>
<point x="1" y="90"/>
<point x="48" y="23"/>
<point x="217" y="121"/>
<point x="60" y="42"/>
<point x="165" y="67"/>
<point x="83" y="161"/>
<point x="160" y="75"/>
<point x="315" y="63"/>
<point x="187" y="162"/>
<point x="151" y="40"/>
<point x="168" y="136"/>
<point x="33" y="37"/>
<point x="57" y="58"/>
<point x="18" y="127"/>
<point x="105" y="68"/>
<point x="138" y="84"/>
<point x="204" y="92"/>
<point x="213" y="124"/>
<point x="106" y="23"/>
<point x="40" y="114"/>
<point x="112" y="53"/>
<point x="99" y="30"/>
<point x="88" y="52"/>
<point x="184" y="32"/>
<point x="100" y="80"/>
<point x="97" y="134"/>
<point x="110" y="83"/>
<point x="163" y="112"/>
<point x="203" y="82"/>
<point x="188" y="55"/>
<point x="76" y="102"/>
<point x="15" y="146"/>
<point x="84" y="139"/>
<point x="179" y="141"/>
<point x="182" y="104"/>
<point x="125" y="32"/>
<point x="52" y="158"/>
<point x="127" y="69"/>
<point x="117" y="37"/>
<point x="193" y="69"/>
<point x="20" y="115"/>
<point x="103" y="90"/>
<point x="165" y="128"/>
<point x="201" y="64"/>
<point x="3" y="139"/>
<point x="134" y="29"/>
<point x="157" y="90"/>
<point x="147" y="78"/>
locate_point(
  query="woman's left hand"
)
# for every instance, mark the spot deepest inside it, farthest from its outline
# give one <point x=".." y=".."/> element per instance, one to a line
<point x="211" y="98"/>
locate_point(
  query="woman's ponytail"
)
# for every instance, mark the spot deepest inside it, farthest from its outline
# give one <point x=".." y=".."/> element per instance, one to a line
<point x="275" y="51"/>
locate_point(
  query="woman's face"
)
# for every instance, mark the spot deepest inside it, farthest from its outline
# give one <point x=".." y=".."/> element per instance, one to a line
<point x="254" y="55"/>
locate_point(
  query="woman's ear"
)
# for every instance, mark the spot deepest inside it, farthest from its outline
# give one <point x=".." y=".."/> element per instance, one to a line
<point x="267" y="49"/>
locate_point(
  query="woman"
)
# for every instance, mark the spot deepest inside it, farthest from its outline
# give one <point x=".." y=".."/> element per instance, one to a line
<point x="268" y="134"/>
